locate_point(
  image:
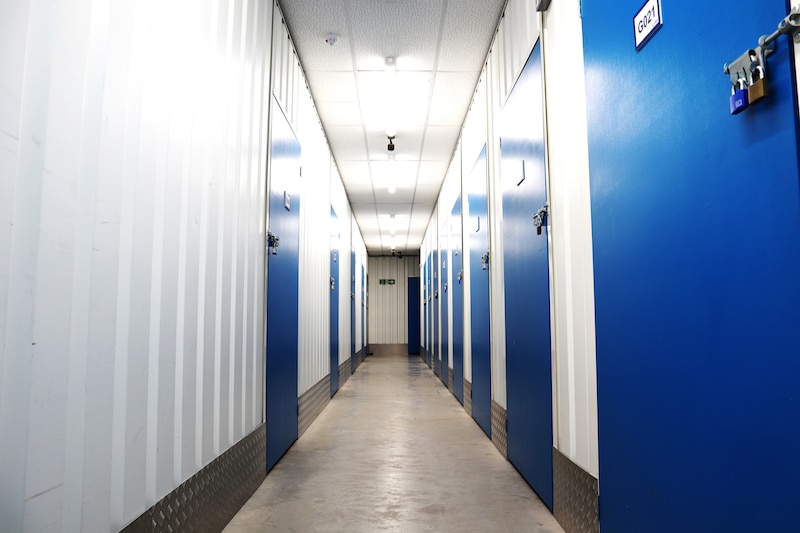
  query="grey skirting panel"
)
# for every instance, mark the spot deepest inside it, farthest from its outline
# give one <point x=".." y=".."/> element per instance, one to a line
<point x="344" y="373"/>
<point x="437" y="366"/>
<point x="499" y="435"/>
<point x="311" y="404"/>
<point x="450" y="380"/>
<point x="575" y="496"/>
<point x="468" y="397"/>
<point x="209" y="499"/>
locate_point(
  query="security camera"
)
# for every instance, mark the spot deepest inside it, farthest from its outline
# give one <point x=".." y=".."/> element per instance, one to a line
<point x="390" y="147"/>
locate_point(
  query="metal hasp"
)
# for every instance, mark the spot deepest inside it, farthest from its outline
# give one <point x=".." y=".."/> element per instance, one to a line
<point x="542" y="5"/>
<point x="540" y="218"/>
<point x="273" y="241"/>
<point x="485" y="261"/>
<point x="749" y="70"/>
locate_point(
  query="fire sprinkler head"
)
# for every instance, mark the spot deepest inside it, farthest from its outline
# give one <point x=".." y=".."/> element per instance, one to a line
<point x="332" y="38"/>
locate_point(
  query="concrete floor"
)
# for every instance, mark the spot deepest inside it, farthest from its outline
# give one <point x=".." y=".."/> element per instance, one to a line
<point x="394" y="451"/>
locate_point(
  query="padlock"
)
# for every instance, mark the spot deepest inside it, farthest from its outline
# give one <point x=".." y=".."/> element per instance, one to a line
<point x="757" y="89"/>
<point x="739" y="100"/>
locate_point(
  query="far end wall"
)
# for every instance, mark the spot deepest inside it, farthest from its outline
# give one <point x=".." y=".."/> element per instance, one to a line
<point x="388" y="304"/>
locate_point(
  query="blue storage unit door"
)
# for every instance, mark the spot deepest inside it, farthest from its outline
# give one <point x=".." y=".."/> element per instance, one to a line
<point x="424" y="282"/>
<point x="435" y="345"/>
<point x="457" y="264"/>
<point x="413" y="315"/>
<point x="353" y="311"/>
<point x="696" y="233"/>
<point x="479" y="294"/>
<point x="282" y="285"/>
<point x="429" y="351"/>
<point x="445" y="333"/>
<point x="528" y="354"/>
<point x="334" y="302"/>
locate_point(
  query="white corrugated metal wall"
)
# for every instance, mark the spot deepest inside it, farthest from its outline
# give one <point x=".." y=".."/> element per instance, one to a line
<point x="133" y="177"/>
<point x="341" y="205"/>
<point x="572" y="280"/>
<point x="388" y="311"/>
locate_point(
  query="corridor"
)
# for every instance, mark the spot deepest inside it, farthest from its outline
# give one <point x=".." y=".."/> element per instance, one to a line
<point x="394" y="451"/>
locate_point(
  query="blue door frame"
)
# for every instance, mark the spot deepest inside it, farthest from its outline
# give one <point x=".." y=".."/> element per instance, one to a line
<point x="526" y="274"/>
<point x="479" y="295"/>
<point x="334" y="302"/>
<point x="282" y="290"/>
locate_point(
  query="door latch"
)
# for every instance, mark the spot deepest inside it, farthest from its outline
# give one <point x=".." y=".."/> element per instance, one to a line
<point x="273" y="241"/>
<point x="485" y="261"/>
<point x="540" y="218"/>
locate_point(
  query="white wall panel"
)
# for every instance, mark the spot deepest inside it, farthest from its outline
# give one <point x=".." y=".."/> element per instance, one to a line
<point x="131" y="251"/>
<point x="388" y="319"/>
<point x="572" y="281"/>
<point x="341" y="205"/>
<point x="314" y="273"/>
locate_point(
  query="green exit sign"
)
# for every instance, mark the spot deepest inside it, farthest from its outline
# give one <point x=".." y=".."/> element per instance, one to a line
<point x="387" y="282"/>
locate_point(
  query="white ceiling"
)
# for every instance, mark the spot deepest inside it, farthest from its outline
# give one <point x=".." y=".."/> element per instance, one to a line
<point x="439" y="48"/>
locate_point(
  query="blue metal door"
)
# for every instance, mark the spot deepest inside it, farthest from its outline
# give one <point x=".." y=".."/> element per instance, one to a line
<point x="445" y="330"/>
<point x="413" y="315"/>
<point x="429" y="338"/>
<point x="353" y="362"/>
<point x="696" y="233"/>
<point x="528" y="353"/>
<point x="334" y="302"/>
<point x="282" y="286"/>
<point x="424" y="282"/>
<point x="479" y="295"/>
<point x="457" y="266"/>
<point x="436" y="347"/>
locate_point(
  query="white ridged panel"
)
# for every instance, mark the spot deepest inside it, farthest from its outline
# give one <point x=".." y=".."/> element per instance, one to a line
<point x="133" y="174"/>
<point x="497" y="67"/>
<point x="572" y="278"/>
<point x="474" y="137"/>
<point x="314" y="269"/>
<point x="341" y="205"/>
<point x="517" y="33"/>
<point x="388" y="319"/>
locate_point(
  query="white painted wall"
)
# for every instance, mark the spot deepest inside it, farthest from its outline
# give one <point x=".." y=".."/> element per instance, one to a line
<point x="314" y="269"/>
<point x="341" y="205"/>
<point x="388" y="312"/>
<point x="572" y="280"/>
<point x="132" y="175"/>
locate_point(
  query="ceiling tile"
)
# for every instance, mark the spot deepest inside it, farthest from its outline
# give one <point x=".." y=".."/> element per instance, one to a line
<point x="394" y="209"/>
<point x="452" y="94"/>
<point x="476" y="19"/>
<point x="440" y="141"/>
<point x="340" y="113"/>
<point x="399" y="29"/>
<point x="347" y="142"/>
<point x="329" y="86"/>
<point x="432" y="173"/>
<point x="355" y="173"/>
